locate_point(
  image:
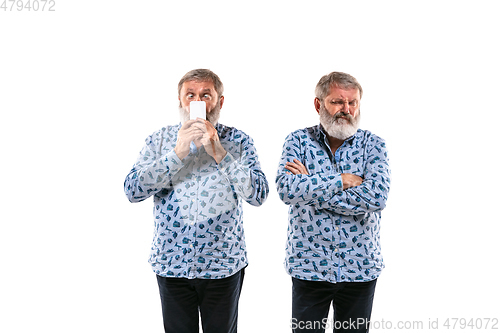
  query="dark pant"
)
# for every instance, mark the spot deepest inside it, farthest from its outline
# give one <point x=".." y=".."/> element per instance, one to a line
<point x="352" y="306"/>
<point x="216" y="300"/>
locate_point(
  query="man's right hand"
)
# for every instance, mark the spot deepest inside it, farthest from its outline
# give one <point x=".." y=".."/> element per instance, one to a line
<point x="349" y="180"/>
<point x="190" y="131"/>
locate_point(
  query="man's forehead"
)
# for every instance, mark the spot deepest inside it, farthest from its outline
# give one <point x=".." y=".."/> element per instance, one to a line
<point x="343" y="92"/>
<point x="195" y="84"/>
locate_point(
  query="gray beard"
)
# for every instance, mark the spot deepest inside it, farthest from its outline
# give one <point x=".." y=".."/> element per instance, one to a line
<point x="212" y="116"/>
<point x="338" y="128"/>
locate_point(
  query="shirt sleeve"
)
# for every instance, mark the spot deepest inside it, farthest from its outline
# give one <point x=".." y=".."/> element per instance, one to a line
<point x="244" y="173"/>
<point x="151" y="173"/>
<point x="371" y="195"/>
<point x="303" y="189"/>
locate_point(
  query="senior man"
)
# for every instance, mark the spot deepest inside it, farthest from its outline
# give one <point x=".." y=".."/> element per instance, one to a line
<point x="199" y="172"/>
<point x="335" y="178"/>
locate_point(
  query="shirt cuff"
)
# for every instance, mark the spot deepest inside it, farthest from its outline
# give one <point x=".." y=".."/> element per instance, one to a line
<point x="335" y="184"/>
<point x="227" y="164"/>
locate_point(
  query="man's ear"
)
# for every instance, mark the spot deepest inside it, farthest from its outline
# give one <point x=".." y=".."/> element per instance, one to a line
<point x="221" y="101"/>
<point x="317" y="104"/>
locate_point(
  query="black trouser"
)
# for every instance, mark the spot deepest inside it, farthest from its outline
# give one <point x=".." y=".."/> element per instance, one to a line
<point x="352" y="306"/>
<point x="216" y="300"/>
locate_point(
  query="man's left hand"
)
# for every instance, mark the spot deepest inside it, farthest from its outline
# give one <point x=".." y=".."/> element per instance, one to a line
<point x="210" y="140"/>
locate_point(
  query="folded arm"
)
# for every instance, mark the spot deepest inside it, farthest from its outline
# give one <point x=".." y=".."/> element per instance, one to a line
<point x="343" y="193"/>
<point x="303" y="188"/>
<point x="371" y="194"/>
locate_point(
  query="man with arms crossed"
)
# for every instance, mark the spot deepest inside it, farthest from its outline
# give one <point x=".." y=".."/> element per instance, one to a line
<point x="336" y="179"/>
<point x="199" y="172"/>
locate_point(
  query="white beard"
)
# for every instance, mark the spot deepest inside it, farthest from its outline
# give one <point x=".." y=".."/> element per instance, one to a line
<point x="212" y="116"/>
<point x="336" y="127"/>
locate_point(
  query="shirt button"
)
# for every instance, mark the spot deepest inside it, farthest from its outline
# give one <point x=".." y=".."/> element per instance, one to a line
<point x="336" y="250"/>
<point x="336" y="228"/>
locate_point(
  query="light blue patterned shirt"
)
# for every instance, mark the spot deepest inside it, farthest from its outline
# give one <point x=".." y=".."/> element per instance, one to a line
<point x="197" y="202"/>
<point x="334" y="234"/>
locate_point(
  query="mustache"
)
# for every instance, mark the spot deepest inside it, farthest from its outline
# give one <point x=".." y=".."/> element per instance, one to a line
<point x="349" y="117"/>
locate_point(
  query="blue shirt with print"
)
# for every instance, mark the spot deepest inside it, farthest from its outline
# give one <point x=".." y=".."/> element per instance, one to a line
<point x="334" y="234"/>
<point x="197" y="203"/>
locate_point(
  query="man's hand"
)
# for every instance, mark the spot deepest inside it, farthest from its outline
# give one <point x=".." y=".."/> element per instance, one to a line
<point x="350" y="180"/>
<point x="187" y="133"/>
<point x="296" y="167"/>
<point x="210" y="140"/>
<point x="201" y="132"/>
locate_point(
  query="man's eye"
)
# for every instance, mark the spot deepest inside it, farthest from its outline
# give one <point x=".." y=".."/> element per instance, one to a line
<point x="190" y="95"/>
<point x="206" y="96"/>
<point x="353" y="103"/>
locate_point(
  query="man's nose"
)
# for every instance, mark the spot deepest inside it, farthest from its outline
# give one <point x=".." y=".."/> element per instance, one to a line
<point x="345" y="107"/>
<point x="198" y="98"/>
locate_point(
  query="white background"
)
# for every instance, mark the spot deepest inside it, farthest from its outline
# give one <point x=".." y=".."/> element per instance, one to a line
<point x="82" y="87"/>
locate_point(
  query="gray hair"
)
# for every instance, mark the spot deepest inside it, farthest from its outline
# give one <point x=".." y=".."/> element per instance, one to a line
<point x="202" y="75"/>
<point x="338" y="79"/>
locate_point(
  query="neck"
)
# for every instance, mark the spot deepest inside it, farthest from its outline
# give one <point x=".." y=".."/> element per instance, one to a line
<point x="334" y="143"/>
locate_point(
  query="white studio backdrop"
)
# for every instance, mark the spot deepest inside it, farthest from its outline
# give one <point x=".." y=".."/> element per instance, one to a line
<point x="81" y="87"/>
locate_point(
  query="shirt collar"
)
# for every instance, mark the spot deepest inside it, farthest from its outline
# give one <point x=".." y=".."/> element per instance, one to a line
<point x="219" y="127"/>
